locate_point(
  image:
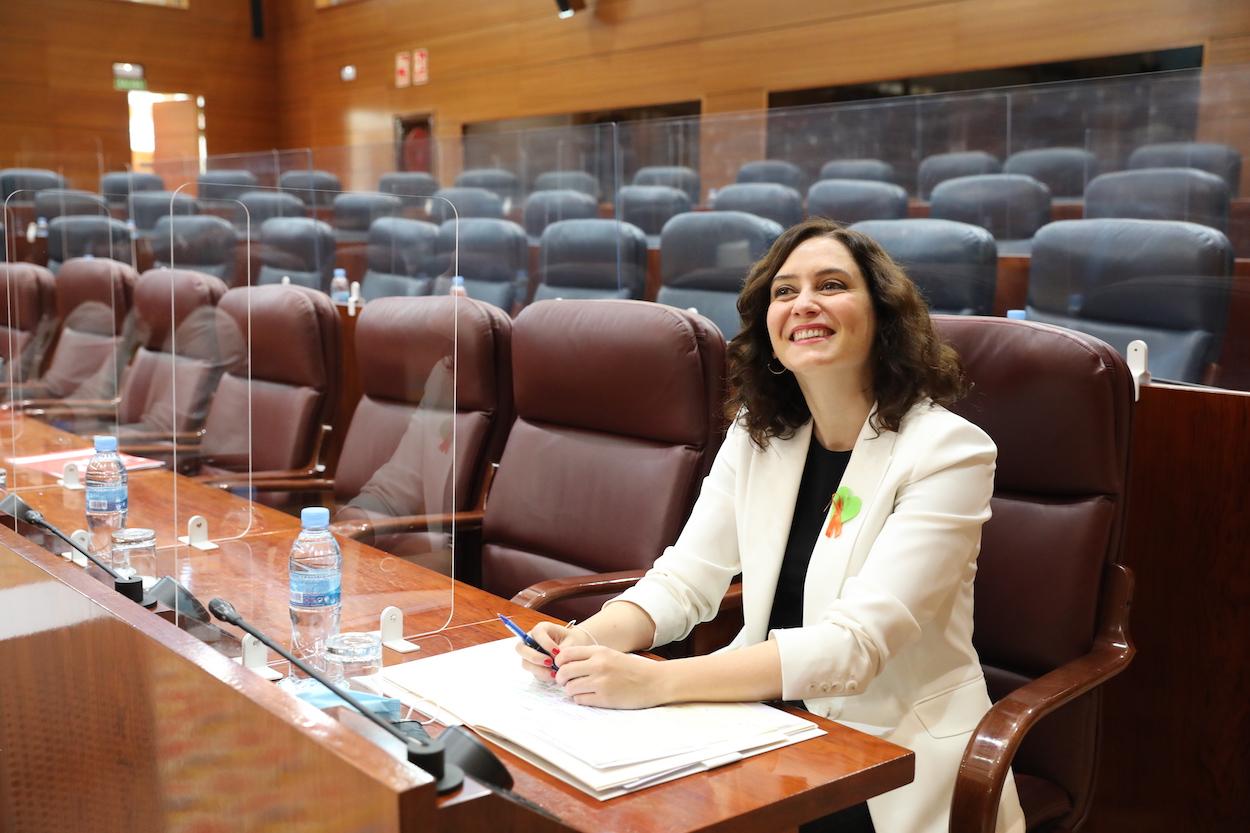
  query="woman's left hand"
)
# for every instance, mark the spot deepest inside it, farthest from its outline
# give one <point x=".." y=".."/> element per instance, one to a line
<point x="596" y="676"/>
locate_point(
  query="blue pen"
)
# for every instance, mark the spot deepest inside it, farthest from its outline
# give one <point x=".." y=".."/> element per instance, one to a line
<point x="527" y="639"/>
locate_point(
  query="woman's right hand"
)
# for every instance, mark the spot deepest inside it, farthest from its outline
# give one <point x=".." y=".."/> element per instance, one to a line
<point x="552" y="637"/>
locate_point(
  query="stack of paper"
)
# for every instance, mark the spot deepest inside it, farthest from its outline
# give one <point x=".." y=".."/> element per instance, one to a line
<point x="605" y="752"/>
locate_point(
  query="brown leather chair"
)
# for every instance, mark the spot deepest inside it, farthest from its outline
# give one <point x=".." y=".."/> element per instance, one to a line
<point x="293" y="384"/>
<point x="1052" y="598"/>
<point x="27" y="318"/>
<point x="166" y="389"/>
<point x="397" y="455"/>
<point x="95" y="334"/>
<point x="618" y="420"/>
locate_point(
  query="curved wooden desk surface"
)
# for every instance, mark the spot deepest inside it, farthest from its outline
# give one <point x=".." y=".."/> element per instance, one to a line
<point x="775" y="791"/>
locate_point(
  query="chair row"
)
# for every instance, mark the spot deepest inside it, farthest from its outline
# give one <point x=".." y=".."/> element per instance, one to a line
<point x="1106" y="274"/>
<point x="173" y="355"/>
<point x="598" y="420"/>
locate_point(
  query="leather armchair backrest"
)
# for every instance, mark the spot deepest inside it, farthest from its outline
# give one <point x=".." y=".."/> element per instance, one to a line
<point x="780" y="203"/>
<point x="408" y="184"/>
<point x="1009" y="206"/>
<point x="26" y="181"/>
<point x="580" y="181"/>
<point x="618" y="418"/>
<point x="502" y="183"/>
<point x="257" y="207"/>
<point x="83" y="235"/>
<point x="169" y="382"/>
<point x="649" y="207"/>
<point x="468" y="202"/>
<point x="776" y="171"/>
<point x="202" y="243"/>
<point x="944" y="166"/>
<point x="405" y="358"/>
<point x="1164" y="282"/>
<point x="1065" y="171"/>
<point x="311" y="187"/>
<point x="604" y="257"/>
<point x="27" y="316"/>
<point x="225" y="184"/>
<point x="294" y="363"/>
<point x="356" y="212"/>
<point x="1058" y="405"/>
<point x="849" y="201"/>
<point x="705" y="257"/>
<point x="94" y="298"/>
<point x="672" y="176"/>
<point x="1221" y="160"/>
<point x="492" y="257"/>
<point x="955" y="265"/>
<point x="870" y="169"/>
<point x="117" y="186"/>
<point x="1160" y="194"/>
<point x="148" y="207"/>
<point x="63" y="202"/>
<point x="542" y="208"/>
<point x="298" y="247"/>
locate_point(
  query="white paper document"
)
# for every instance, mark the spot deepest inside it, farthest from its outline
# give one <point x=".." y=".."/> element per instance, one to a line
<point x="605" y="752"/>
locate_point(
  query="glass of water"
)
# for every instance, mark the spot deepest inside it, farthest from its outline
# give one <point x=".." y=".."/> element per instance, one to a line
<point x="134" y="553"/>
<point x="349" y="655"/>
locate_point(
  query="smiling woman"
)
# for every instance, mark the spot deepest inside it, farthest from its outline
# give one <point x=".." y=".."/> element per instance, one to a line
<point x="851" y="502"/>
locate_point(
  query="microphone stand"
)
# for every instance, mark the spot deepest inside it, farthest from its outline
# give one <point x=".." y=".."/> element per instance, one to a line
<point x="131" y="587"/>
<point x="428" y="756"/>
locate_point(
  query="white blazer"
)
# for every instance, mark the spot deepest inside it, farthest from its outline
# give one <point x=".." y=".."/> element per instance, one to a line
<point x="886" y="642"/>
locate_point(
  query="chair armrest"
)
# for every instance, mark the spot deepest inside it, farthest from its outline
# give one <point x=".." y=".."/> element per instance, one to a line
<point x="292" y="484"/>
<point x="988" y="756"/>
<point x="366" y="531"/>
<point x="60" y="407"/>
<point x="537" y="596"/>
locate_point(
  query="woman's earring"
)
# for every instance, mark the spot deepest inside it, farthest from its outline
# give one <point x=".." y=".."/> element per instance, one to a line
<point x="781" y="368"/>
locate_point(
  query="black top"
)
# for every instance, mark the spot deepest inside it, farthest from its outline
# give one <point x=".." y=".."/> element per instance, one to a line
<point x="822" y="473"/>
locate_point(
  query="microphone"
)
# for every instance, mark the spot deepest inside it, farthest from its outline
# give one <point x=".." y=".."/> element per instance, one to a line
<point x="13" y="506"/>
<point x="429" y="755"/>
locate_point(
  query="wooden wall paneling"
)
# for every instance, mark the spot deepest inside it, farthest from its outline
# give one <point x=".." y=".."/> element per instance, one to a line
<point x="64" y="66"/>
<point x="1224" y="112"/>
<point x="515" y="58"/>
<point x="732" y="132"/>
<point x="1176" y="722"/>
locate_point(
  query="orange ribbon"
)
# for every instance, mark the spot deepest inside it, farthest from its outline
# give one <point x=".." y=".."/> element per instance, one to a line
<point x="834" y="529"/>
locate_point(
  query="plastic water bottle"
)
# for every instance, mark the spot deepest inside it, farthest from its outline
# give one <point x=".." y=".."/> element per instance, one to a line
<point x="41" y="227"/>
<point x="457" y="287"/>
<point x="1017" y="314"/>
<point x="338" y="287"/>
<point x="316" y="568"/>
<point x="105" y="482"/>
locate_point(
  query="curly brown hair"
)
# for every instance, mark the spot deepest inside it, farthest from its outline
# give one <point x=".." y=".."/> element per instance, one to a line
<point x="909" y="359"/>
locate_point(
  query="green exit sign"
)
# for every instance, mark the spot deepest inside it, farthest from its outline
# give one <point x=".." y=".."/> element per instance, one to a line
<point x="129" y="84"/>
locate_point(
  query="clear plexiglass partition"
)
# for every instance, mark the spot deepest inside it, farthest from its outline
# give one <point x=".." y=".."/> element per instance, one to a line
<point x="328" y="327"/>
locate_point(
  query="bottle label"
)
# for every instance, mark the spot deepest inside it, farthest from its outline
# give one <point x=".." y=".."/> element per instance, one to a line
<point x="313" y="590"/>
<point x="107" y="498"/>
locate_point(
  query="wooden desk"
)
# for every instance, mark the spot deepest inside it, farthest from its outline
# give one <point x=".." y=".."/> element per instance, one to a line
<point x="778" y="790"/>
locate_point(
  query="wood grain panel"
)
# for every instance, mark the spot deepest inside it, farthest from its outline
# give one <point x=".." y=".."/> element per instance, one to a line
<point x="517" y="59"/>
<point x="59" y="54"/>
<point x="1176" y="724"/>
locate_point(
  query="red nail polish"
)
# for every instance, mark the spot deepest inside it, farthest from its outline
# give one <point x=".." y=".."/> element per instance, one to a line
<point x="555" y="651"/>
<point x="547" y="661"/>
<point x="553" y="675"/>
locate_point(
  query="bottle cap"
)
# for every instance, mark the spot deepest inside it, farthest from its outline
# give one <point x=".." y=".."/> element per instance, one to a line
<point x="1017" y="314"/>
<point x="314" y="517"/>
<point x="340" y="273"/>
<point x="104" y="443"/>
